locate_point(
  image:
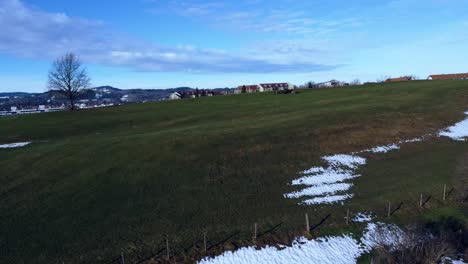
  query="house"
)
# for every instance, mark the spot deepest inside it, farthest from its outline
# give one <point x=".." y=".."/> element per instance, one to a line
<point x="175" y="96"/>
<point x="254" y="88"/>
<point x="273" y="87"/>
<point x="331" y="83"/>
<point x="264" y="87"/>
<point x="399" y="79"/>
<point x="456" y="76"/>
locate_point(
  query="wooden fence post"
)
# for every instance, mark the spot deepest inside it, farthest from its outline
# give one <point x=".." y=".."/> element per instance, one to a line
<point x="167" y="248"/>
<point x="204" y="240"/>
<point x="254" y="238"/>
<point x="445" y="191"/>
<point x="421" y="201"/>
<point x="122" y="258"/>
<point x="347" y="216"/>
<point x="389" y="212"/>
<point x="307" y="222"/>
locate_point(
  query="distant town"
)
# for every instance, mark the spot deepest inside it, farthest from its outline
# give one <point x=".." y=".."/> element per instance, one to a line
<point x="106" y="96"/>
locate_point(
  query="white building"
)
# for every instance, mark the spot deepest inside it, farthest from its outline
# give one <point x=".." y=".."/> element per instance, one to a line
<point x="175" y="96"/>
<point x="332" y="83"/>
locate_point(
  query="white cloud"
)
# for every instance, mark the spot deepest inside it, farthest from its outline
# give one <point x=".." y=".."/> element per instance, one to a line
<point x="32" y="33"/>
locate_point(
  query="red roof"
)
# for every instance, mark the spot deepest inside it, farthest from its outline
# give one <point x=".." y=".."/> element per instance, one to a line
<point x="399" y="79"/>
<point x="449" y="76"/>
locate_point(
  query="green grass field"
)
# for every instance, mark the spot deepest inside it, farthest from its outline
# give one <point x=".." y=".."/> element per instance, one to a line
<point x="98" y="182"/>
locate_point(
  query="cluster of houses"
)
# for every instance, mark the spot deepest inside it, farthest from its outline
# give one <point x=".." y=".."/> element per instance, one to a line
<point x="195" y="94"/>
<point x="264" y="87"/>
<point x="254" y="88"/>
<point x="47" y="108"/>
<point x="455" y="76"/>
<point x="32" y="110"/>
<point x="286" y="87"/>
<point x="452" y="76"/>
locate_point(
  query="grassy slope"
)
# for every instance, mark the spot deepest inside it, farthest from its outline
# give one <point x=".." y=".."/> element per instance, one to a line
<point x="96" y="182"/>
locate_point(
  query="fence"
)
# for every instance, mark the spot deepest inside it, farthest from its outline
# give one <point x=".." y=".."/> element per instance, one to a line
<point x="203" y="247"/>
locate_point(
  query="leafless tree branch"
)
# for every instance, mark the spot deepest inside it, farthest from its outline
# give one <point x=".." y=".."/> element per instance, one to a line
<point x="68" y="77"/>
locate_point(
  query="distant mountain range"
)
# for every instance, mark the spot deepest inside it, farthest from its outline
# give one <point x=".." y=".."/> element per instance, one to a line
<point x="94" y="96"/>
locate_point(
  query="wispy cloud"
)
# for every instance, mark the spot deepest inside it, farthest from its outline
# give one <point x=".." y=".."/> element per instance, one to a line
<point x="246" y="15"/>
<point x="32" y="33"/>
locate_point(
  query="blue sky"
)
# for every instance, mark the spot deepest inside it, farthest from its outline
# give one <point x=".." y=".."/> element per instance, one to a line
<point x="218" y="43"/>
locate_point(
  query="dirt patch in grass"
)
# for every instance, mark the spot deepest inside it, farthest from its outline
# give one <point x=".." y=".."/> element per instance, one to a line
<point x="384" y="129"/>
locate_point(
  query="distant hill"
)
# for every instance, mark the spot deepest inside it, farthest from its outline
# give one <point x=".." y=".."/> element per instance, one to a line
<point x="96" y="95"/>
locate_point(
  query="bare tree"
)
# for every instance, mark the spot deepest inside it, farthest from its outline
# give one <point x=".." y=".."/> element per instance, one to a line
<point x="356" y="82"/>
<point x="310" y="85"/>
<point x="68" y="78"/>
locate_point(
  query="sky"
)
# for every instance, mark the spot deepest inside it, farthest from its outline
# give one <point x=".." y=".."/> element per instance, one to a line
<point x="220" y="43"/>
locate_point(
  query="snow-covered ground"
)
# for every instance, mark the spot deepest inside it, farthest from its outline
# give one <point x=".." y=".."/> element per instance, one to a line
<point x="328" y="250"/>
<point x="459" y="131"/>
<point x="363" y="217"/>
<point x="323" y="185"/>
<point x="452" y="261"/>
<point x="15" y="145"/>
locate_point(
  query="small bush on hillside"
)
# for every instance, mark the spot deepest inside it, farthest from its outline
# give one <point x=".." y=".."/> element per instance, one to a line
<point x="427" y="244"/>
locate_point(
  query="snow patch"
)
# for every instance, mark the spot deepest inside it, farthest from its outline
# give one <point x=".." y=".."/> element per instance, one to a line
<point x="331" y="250"/>
<point x="320" y="190"/>
<point x="344" y="160"/>
<point x="384" y="149"/>
<point x="326" y="176"/>
<point x="363" y="217"/>
<point x="412" y="140"/>
<point x="15" y="145"/>
<point x="334" y="250"/>
<point x="328" y="181"/>
<point x="452" y="261"/>
<point x="379" y="234"/>
<point x="124" y="98"/>
<point x="458" y="132"/>
<point x="327" y="199"/>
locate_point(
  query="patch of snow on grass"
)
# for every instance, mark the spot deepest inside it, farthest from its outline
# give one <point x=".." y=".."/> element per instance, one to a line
<point x="458" y="132"/>
<point x="327" y="199"/>
<point x="333" y="250"/>
<point x="328" y="180"/>
<point x="363" y="218"/>
<point x="326" y="176"/>
<point x="385" y="149"/>
<point x="15" y="145"/>
<point x="411" y="140"/>
<point x="379" y="234"/>
<point x="314" y="170"/>
<point x="452" y="261"/>
<point x="320" y="190"/>
<point x="343" y="160"/>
